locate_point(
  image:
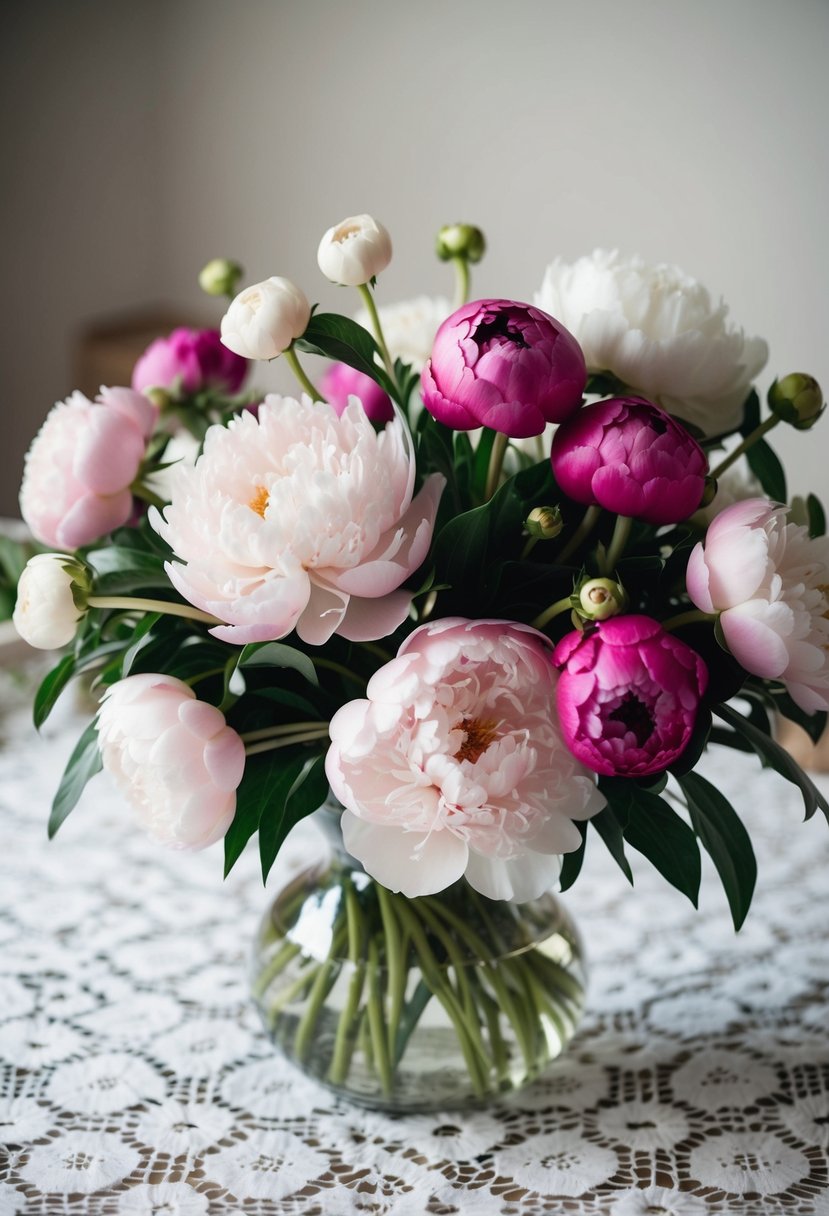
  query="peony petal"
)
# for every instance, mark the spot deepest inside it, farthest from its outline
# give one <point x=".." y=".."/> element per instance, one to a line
<point x="519" y="879"/>
<point x="413" y="863"/>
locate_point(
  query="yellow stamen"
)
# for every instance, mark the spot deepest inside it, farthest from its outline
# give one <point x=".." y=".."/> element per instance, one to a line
<point x="480" y="732"/>
<point x="259" y="502"/>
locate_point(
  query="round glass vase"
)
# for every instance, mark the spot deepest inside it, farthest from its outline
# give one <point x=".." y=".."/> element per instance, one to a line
<point x="418" y="1004"/>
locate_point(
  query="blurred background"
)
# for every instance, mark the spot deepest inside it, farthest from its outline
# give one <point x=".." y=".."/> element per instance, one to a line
<point x="143" y="139"/>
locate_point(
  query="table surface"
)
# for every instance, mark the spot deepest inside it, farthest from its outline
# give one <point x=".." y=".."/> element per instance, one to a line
<point x="134" y="1077"/>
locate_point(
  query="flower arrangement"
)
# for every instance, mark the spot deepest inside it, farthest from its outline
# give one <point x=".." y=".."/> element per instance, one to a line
<point x="480" y="587"/>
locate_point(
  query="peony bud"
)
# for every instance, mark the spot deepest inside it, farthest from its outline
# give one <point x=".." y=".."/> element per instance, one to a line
<point x="220" y="277"/>
<point x="597" y="599"/>
<point x="51" y="595"/>
<point x="263" y="320"/>
<point x="460" y="241"/>
<point x="544" y="523"/>
<point x="797" y="399"/>
<point x="354" y="251"/>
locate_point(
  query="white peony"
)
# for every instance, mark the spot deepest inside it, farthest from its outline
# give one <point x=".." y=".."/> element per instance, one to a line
<point x="263" y="320"/>
<point x="45" y="614"/>
<point x="657" y="330"/>
<point x="354" y="251"/>
<point x="409" y="327"/>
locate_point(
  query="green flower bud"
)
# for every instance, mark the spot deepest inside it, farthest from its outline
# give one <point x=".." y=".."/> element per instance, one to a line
<point x="596" y="599"/>
<point x="544" y="523"/>
<point x="460" y="241"/>
<point x="220" y="277"/>
<point x="797" y="399"/>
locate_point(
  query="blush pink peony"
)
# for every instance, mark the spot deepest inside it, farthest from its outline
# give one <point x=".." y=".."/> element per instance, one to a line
<point x="455" y="766"/>
<point x="81" y="464"/>
<point x="299" y="519"/>
<point x="174" y="757"/>
<point x="189" y="361"/>
<point x="769" y="581"/>
<point x="341" y="382"/>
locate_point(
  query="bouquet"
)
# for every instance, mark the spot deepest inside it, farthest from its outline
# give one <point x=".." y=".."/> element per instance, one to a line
<point x="485" y="594"/>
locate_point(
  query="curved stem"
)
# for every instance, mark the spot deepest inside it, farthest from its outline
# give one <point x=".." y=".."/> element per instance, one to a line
<point x="687" y="618"/>
<point x="496" y="461"/>
<point x="749" y="441"/>
<point x="270" y="745"/>
<point x="588" y="523"/>
<point x="273" y="732"/>
<point x="621" y="533"/>
<point x="296" y="368"/>
<point x="554" y="610"/>
<point x="142" y="605"/>
<point x="340" y="669"/>
<point x="461" y="281"/>
<point x="371" y="308"/>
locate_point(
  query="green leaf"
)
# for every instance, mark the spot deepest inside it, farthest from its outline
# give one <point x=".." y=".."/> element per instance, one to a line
<point x="51" y="688"/>
<point x="572" y="862"/>
<point x="610" y="830"/>
<point x="335" y="337"/>
<point x="480" y="464"/>
<point x="141" y="638"/>
<point x="277" y="654"/>
<point x="751" y="414"/>
<point x="284" y="696"/>
<point x="120" y="570"/>
<point x="817" y="516"/>
<point x="696" y="744"/>
<point x="654" y="829"/>
<point x="265" y="785"/>
<point x="778" y="700"/>
<point x="280" y="817"/>
<point x="774" y="756"/>
<point x="84" y="763"/>
<point x="725" y="839"/>
<point x="766" y="467"/>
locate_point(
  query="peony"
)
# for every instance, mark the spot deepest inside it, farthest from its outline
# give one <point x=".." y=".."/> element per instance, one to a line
<point x="769" y="581"/>
<point x="263" y="320"/>
<point x="342" y="382"/>
<point x="630" y="457"/>
<point x="190" y="361"/>
<point x="46" y="615"/>
<point x="657" y="330"/>
<point x="301" y="519"/>
<point x="503" y="365"/>
<point x="628" y="695"/>
<point x="409" y="327"/>
<point x="354" y="251"/>
<point x="174" y="757"/>
<point x="455" y="766"/>
<point x="76" y="484"/>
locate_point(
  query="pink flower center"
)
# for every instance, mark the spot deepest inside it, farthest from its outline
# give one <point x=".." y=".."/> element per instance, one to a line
<point x="480" y="732"/>
<point x="635" y="716"/>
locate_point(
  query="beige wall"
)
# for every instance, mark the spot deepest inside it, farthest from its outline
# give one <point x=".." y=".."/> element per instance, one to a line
<point x="146" y="137"/>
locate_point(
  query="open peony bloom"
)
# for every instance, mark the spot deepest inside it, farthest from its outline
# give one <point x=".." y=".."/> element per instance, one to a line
<point x="769" y="580"/>
<point x="628" y="695"/>
<point x="81" y="464"/>
<point x="455" y="766"/>
<point x="657" y="330"/>
<point x="630" y="457"/>
<point x="46" y="615"/>
<point x="341" y="382"/>
<point x="189" y="361"/>
<point x="354" y="251"/>
<point x="300" y="519"/>
<point x="263" y="320"/>
<point x="174" y="758"/>
<point x="504" y="365"/>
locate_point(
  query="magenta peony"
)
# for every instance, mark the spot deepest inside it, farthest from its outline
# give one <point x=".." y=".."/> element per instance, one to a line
<point x="629" y="456"/>
<point x="81" y="464"/>
<point x="299" y="519"/>
<point x="190" y="361"/>
<point x="455" y="766"/>
<point x="503" y="365"/>
<point x="628" y="695"/>
<point x="769" y="581"/>
<point x="341" y="382"/>
<point x="174" y="758"/>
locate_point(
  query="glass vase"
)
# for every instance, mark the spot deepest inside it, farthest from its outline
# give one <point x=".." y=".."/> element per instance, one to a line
<point x="413" y="1004"/>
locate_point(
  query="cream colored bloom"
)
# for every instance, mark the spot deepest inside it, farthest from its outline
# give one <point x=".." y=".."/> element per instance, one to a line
<point x="263" y="320"/>
<point x="409" y="327"/>
<point x="45" y="614"/>
<point x="354" y="251"/>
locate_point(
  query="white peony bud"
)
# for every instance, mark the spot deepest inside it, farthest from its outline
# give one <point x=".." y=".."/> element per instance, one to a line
<point x="263" y="320"/>
<point x="46" y="615"/>
<point x="354" y="251"/>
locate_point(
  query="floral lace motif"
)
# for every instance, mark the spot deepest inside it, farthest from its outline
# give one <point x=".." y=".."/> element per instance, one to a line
<point x="134" y="1078"/>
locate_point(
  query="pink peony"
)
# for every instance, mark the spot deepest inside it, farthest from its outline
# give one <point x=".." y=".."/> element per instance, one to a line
<point x="628" y="695"/>
<point x="769" y="580"/>
<point x="455" y="766"/>
<point x="81" y="464"/>
<point x="300" y="519"/>
<point x="189" y="361"/>
<point x="629" y="456"/>
<point x="503" y="365"/>
<point x="174" y="758"/>
<point x="341" y="382"/>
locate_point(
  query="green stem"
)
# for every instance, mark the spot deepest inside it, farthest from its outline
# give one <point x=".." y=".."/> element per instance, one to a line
<point x="553" y="611"/>
<point x="376" y="1021"/>
<point x="338" y="667"/>
<point x="749" y="441"/>
<point x="296" y="368"/>
<point x="286" y="952"/>
<point x="588" y="523"/>
<point x="139" y="490"/>
<point x="687" y="618"/>
<point x="621" y="533"/>
<point x="461" y="281"/>
<point x="273" y="732"/>
<point x="319" y="991"/>
<point x="373" y="648"/>
<point x="347" y="1025"/>
<point x="496" y="461"/>
<point x="395" y="964"/>
<point x="141" y="605"/>
<point x="270" y="745"/>
<point x="371" y="308"/>
<point x="532" y="541"/>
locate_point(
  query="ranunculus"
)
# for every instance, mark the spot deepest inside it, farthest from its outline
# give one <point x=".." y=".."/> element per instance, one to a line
<point x="629" y="456"/>
<point x="81" y="464"/>
<point x="174" y="757"/>
<point x="341" y="382"/>
<point x="454" y="765"/>
<point x="504" y="365"/>
<point x="301" y="519"/>
<point x="409" y="327"/>
<point x="354" y="251"/>
<point x="189" y="361"/>
<point x="769" y="581"/>
<point x="657" y="330"/>
<point x="46" y="615"/>
<point x="628" y="695"/>
<point x="263" y="320"/>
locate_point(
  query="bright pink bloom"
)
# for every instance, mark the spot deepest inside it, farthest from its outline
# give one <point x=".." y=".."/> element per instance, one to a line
<point x="189" y="361"/>
<point x="81" y="464"/>
<point x="455" y="766"/>
<point x="174" y="757"/>
<point x="629" y="456"/>
<point x="769" y="580"/>
<point x="504" y="365"/>
<point x="628" y="695"/>
<point x="341" y="382"/>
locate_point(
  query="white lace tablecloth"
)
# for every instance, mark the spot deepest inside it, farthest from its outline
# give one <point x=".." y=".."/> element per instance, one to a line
<point x="134" y="1077"/>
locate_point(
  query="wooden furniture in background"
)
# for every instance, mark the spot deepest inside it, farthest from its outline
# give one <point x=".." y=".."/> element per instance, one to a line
<point x="106" y="351"/>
